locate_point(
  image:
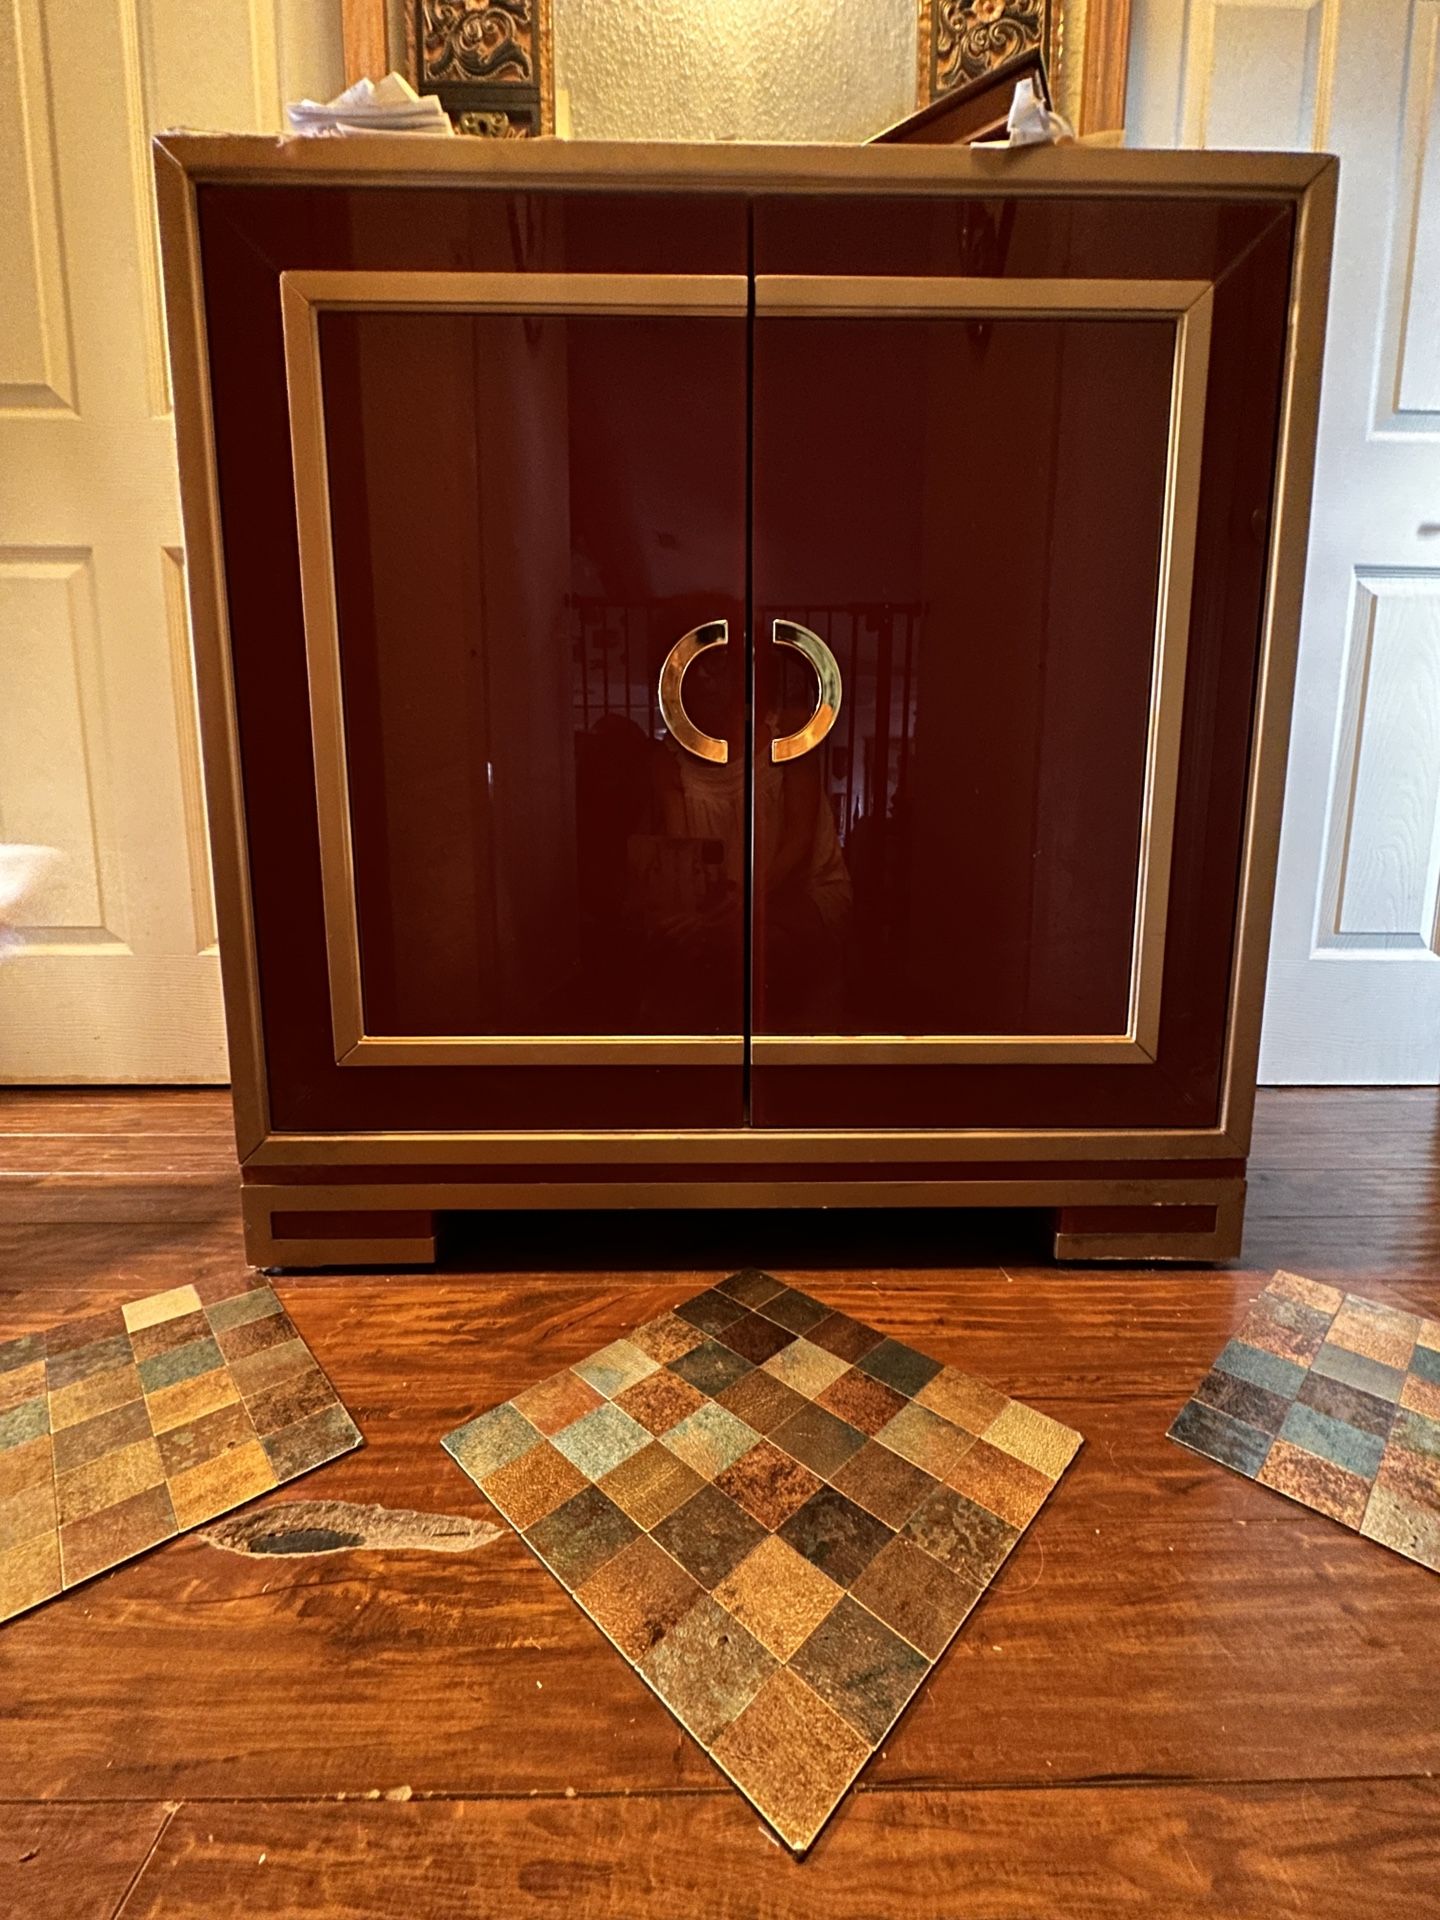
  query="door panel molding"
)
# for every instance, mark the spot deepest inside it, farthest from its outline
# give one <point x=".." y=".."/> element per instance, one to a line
<point x="1189" y="304"/>
<point x="304" y="294"/>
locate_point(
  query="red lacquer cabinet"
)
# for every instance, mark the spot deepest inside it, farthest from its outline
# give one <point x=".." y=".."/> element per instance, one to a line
<point x="742" y="677"/>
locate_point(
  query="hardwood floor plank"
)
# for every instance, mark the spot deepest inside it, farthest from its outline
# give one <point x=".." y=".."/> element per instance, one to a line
<point x="70" y="1862"/>
<point x="1087" y="1854"/>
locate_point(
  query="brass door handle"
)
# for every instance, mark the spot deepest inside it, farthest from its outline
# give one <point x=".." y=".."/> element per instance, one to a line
<point x="714" y="633"/>
<point x="827" y="708"/>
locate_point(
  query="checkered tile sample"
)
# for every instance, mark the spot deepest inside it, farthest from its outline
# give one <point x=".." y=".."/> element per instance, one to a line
<point x="1335" y="1401"/>
<point x="778" y="1515"/>
<point x="122" y="1430"/>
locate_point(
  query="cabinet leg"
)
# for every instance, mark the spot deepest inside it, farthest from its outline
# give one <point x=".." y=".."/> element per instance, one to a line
<point x="1195" y="1232"/>
<point x="281" y="1231"/>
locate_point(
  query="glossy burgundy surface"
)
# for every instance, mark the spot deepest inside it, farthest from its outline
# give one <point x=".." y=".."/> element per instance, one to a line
<point x="248" y="236"/>
<point x="533" y="853"/>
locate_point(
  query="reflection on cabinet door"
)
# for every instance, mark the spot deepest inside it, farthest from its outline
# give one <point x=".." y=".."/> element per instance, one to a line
<point x="522" y="863"/>
<point x="992" y="543"/>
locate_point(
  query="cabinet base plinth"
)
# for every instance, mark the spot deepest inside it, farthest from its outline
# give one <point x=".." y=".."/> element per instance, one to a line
<point x="285" y="1234"/>
<point x="1189" y="1232"/>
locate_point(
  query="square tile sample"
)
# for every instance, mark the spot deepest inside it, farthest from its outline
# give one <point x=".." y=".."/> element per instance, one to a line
<point x="131" y="1426"/>
<point x="780" y="1517"/>
<point x="1334" y="1401"/>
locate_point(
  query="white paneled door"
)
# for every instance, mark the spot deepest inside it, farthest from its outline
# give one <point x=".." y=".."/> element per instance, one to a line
<point x="1355" y="966"/>
<point x="115" y="975"/>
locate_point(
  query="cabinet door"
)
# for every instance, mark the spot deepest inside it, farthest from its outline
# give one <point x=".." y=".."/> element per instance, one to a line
<point x="516" y="492"/>
<point x="1001" y="719"/>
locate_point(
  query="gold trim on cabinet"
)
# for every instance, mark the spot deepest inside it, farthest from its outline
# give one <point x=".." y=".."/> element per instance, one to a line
<point x="1305" y="182"/>
<point x="1188" y="303"/>
<point x="303" y="295"/>
<point x="670" y="693"/>
<point x="792" y="746"/>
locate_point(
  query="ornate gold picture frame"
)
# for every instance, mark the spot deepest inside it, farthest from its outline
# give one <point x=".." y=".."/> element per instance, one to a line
<point x="1085" y="45"/>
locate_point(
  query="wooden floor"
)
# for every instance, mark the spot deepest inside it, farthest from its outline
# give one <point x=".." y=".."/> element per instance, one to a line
<point x="1182" y="1695"/>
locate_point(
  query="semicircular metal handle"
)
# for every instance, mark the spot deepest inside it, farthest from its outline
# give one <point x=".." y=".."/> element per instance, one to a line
<point x="714" y="633"/>
<point x="790" y="746"/>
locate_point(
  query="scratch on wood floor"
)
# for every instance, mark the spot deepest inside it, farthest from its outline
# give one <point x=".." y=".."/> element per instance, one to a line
<point x="304" y="1527"/>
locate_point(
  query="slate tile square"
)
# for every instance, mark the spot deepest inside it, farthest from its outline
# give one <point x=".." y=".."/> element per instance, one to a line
<point x="256" y="1304"/>
<point x="27" y="1466"/>
<point x="1045" y="1444"/>
<point x="557" y="1402"/>
<point x="176" y="1406"/>
<point x="900" y="1367"/>
<point x="638" y="1596"/>
<point x="710" y="1439"/>
<point x="1256" y="1406"/>
<point x="227" y="1480"/>
<point x="1000" y="1483"/>
<point x="22" y="1383"/>
<point x="709" y="1535"/>
<point x="925" y="1439"/>
<point x="491" y="1440"/>
<point x="863" y="1402"/>
<point x="253" y="1372"/>
<point x="288" y="1401"/>
<point x="1315" y="1482"/>
<point x="181" y="1363"/>
<point x="1379" y="1333"/>
<point x="25" y="1351"/>
<point x="778" y="1595"/>
<point x="1220" y="1437"/>
<point x="252" y="1336"/>
<point x="1358" y="1440"/>
<point x="768" y="1483"/>
<point x="742" y="1551"/>
<point x="29" y="1573"/>
<point x="1271" y="1371"/>
<point x="754" y="1338"/>
<point x="710" y="1311"/>
<point x="213" y="1433"/>
<point x="600" y="1440"/>
<point x="751" y="1287"/>
<point x="145" y="1342"/>
<point x="793" y="1310"/>
<point x="819" y="1440"/>
<point x="883" y="1483"/>
<point x="98" y="1393"/>
<point x="533" y="1484"/>
<point x="660" y="1401"/>
<point x="310" y="1443"/>
<point x="651" y="1484"/>
<point x="1403" y="1527"/>
<point x="762" y="1401"/>
<point x="107" y="1432"/>
<point x="707" y="1668"/>
<point x="107" y="1480"/>
<point x="793" y="1755"/>
<point x="1349" y="1447"/>
<point x="861" y="1668"/>
<point x="156" y="1307"/>
<point x="836" y="1535"/>
<point x="81" y="1363"/>
<point x="26" y="1422"/>
<point x="616" y="1367"/>
<point x="581" y="1535"/>
<point x="962" y="1399"/>
<point x="24" y="1515"/>
<point x="1359" y="1370"/>
<point x="847" y="1339"/>
<point x="115" y="1533"/>
<point x="808" y="1369"/>
<point x="67" y="1335"/>
<point x="666" y="1337"/>
<point x="916" y="1596"/>
<point x="963" y="1536"/>
<point x="710" y="1367"/>
<point x="1425" y="1364"/>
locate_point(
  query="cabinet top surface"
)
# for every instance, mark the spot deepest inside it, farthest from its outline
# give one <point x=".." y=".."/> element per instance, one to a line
<point x="415" y="160"/>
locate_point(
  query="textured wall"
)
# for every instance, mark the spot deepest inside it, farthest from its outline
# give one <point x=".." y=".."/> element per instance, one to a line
<point x="735" y="69"/>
